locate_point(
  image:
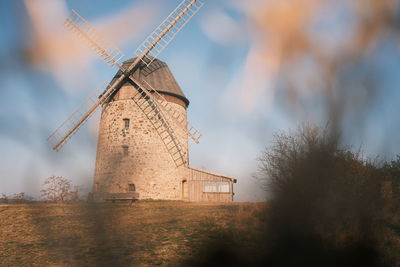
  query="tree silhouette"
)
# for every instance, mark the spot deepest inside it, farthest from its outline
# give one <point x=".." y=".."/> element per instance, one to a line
<point x="58" y="189"/>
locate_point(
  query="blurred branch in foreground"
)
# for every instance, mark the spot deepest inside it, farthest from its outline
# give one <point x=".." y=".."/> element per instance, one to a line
<point x="305" y="54"/>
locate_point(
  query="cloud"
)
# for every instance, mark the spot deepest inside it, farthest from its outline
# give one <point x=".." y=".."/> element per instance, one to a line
<point x="65" y="56"/>
<point x="222" y="28"/>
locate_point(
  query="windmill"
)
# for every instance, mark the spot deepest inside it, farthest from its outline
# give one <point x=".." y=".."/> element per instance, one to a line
<point x="143" y="136"/>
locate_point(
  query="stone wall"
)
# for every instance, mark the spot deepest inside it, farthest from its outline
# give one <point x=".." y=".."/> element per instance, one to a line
<point x="136" y="154"/>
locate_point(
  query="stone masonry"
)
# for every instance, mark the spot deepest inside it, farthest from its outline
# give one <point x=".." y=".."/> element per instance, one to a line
<point x="136" y="154"/>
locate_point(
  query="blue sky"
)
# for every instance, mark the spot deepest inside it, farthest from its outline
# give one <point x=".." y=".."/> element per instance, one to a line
<point x="236" y="101"/>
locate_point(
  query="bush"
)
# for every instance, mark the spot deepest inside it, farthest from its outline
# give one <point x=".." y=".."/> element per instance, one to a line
<point x="20" y="198"/>
<point x="327" y="206"/>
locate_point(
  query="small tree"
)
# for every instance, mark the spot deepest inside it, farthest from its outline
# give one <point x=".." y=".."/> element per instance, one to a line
<point x="57" y="189"/>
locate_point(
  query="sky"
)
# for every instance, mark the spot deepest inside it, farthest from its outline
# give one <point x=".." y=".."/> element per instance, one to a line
<point x="249" y="68"/>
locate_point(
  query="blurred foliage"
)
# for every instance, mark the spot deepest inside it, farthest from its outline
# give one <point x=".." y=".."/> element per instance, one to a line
<point x="319" y="59"/>
<point x="330" y="206"/>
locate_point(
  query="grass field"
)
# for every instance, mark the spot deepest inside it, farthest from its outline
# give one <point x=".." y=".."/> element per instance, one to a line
<point x="119" y="234"/>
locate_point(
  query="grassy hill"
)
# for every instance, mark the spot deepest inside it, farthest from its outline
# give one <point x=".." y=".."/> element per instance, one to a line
<point x="142" y="234"/>
<point x="173" y="233"/>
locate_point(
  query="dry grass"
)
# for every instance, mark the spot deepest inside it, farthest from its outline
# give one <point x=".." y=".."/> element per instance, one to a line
<point x="144" y="234"/>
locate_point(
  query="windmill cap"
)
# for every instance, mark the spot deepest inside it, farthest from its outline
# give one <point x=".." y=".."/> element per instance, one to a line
<point x="158" y="76"/>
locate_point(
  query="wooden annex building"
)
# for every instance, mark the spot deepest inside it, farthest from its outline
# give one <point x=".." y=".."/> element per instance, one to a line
<point x="204" y="185"/>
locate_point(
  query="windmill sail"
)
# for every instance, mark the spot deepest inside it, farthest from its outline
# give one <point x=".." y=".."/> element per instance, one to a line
<point x="63" y="133"/>
<point x="175" y="116"/>
<point x="69" y="127"/>
<point x="148" y="105"/>
<point x="103" y="48"/>
<point x="155" y="43"/>
<point x="147" y="51"/>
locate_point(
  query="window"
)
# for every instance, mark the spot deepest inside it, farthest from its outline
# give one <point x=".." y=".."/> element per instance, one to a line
<point x="132" y="187"/>
<point x="125" y="150"/>
<point x="216" y="187"/>
<point x="126" y="123"/>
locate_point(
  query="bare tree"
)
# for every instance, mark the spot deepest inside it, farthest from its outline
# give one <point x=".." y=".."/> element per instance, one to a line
<point x="57" y="189"/>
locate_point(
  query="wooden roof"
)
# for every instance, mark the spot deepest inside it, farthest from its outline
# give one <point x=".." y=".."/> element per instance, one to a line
<point x="223" y="176"/>
<point x="158" y="75"/>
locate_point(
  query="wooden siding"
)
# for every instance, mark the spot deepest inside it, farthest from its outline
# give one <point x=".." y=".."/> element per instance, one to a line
<point x="196" y="193"/>
<point x="196" y="181"/>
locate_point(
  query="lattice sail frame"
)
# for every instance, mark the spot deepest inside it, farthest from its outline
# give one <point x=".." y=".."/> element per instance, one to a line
<point x="149" y="107"/>
<point x="167" y="30"/>
<point x="109" y="53"/>
<point x="175" y="116"/>
<point x="74" y="119"/>
<point x="155" y="42"/>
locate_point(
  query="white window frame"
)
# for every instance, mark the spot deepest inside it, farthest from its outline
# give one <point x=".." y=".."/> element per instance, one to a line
<point x="216" y="187"/>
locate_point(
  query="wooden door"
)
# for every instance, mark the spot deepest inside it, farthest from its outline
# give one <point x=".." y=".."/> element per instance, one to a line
<point x="185" y="195"/>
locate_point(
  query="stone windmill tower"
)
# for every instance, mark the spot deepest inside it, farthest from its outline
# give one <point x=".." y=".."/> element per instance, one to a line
<point x="131" y="155"/>
<point x="142" y="149"/>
